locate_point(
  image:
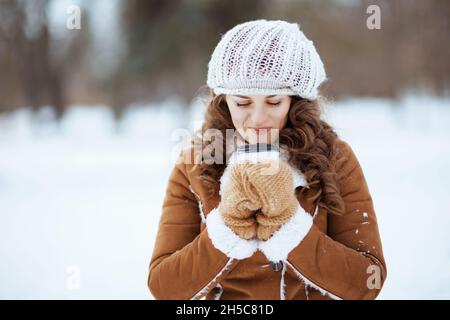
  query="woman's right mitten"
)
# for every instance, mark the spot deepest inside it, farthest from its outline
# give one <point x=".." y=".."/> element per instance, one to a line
<point x="239" y="202"/>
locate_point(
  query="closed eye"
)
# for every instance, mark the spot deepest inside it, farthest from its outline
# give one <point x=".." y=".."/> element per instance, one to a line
<point x="244" y="105"/>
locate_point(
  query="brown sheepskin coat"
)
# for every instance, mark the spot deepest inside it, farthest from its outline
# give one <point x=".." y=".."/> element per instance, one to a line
<point x="323" y="256"/>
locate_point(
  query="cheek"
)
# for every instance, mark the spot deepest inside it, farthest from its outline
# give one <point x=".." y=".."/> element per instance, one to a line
<point x="238" y="117"/>
<point x="281" y="115"/>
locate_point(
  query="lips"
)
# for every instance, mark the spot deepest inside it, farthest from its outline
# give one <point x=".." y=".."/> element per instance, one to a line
<point x="262" y="129"/>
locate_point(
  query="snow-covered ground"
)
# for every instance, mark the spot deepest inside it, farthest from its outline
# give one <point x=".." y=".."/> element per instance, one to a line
<point x="80" y="201"/>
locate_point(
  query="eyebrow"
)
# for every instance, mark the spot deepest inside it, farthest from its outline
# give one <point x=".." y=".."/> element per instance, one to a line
<point x="245" y="97"/>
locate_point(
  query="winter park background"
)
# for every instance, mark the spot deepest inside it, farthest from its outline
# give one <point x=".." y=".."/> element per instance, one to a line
<point x="83" y="174"/>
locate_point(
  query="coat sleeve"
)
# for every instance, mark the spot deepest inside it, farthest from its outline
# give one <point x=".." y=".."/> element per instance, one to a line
<point x="186" y="263"/>
<point x="347" y="261"/>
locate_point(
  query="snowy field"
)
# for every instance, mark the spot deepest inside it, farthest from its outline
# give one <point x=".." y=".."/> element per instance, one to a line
<point x="80" y="201"/>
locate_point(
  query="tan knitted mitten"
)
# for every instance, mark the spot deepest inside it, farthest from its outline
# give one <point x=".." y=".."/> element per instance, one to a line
<point x="272" y="181"/>
<point x="239" y="201"/>
<point x="258" y="198"/>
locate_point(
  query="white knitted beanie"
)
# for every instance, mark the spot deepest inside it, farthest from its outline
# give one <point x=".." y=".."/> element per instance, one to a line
<point x="266" y="57"/>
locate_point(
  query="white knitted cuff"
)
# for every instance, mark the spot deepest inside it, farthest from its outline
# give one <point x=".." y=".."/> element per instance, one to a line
<point x="289" y="236"/>
<point x="224" y="239"/>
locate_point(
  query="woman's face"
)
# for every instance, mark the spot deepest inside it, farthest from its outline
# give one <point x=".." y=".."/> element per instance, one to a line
<point x="252" y="112"/>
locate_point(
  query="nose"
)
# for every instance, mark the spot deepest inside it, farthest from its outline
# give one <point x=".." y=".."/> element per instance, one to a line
<point x="259" y="117"/>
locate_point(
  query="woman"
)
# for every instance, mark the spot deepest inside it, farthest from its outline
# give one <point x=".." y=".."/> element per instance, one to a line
<point x="305" y="230"/>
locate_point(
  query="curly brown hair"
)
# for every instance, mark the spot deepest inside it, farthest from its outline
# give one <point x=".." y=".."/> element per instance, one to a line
<point x="310" y="141"/>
